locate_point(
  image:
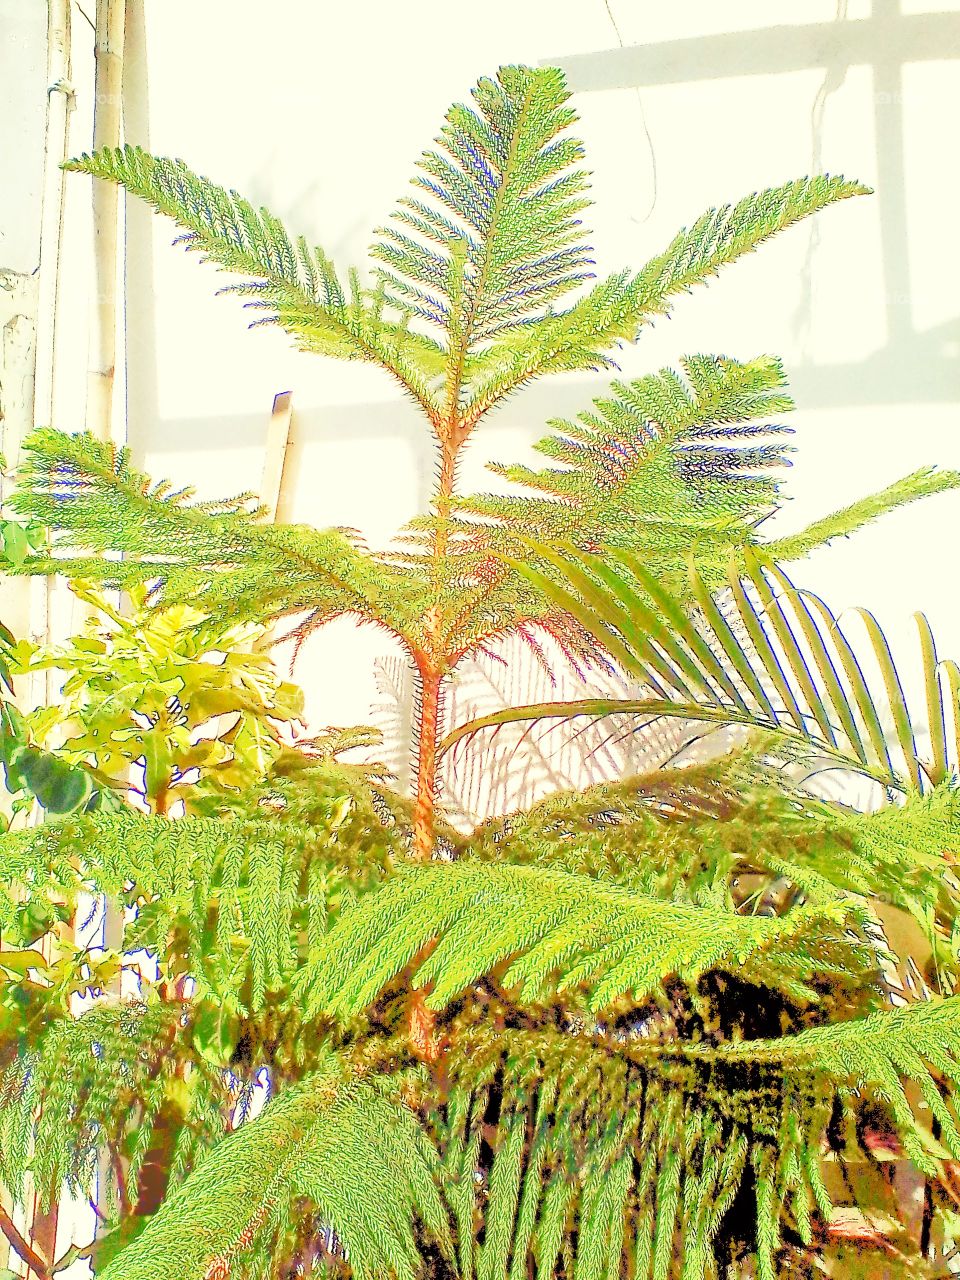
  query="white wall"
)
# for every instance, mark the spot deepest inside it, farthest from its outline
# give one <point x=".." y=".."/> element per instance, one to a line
<point x="319" y="111"/>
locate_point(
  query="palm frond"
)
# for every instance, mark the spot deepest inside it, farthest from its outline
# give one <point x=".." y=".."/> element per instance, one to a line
<point x="548" y="923"/>
<point x="762" y="654"/>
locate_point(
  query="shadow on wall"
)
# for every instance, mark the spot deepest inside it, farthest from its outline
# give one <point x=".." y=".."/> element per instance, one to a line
<point x="913" y="367"/>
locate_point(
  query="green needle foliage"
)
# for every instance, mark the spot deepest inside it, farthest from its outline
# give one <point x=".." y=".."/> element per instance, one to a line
<point x="462" y="310"/>
<point x="705" y="445"/>
<point x="599" y="937"/>
<point x="667" y="1027"/>
<point x="339" y="1142"/>
<point x="107" y="1080"/>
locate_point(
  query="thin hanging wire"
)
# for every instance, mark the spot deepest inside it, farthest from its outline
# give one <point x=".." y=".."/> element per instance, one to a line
<point x="646" y="130"/>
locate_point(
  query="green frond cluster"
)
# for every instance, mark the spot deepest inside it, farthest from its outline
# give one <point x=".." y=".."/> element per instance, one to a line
<point x="548" y="922"/>
<point x="903" y="856"/>
<point x="908" y="848"/>
<point x="341" y="1143"/>
<point x="682" y="834"/>
<point x="113" y="526"/>
<point x="665" y="466"/>
<point x="614" y="1035"/>
<point x="492" y="234"/>
<point x="482" y="252"/>
<point x="220" y="557"/>
<point x="616" y="308"/>
<point x="309" y="783"/>
<point x="644" y="1147"/>
<point x="103" y="1084"/>
<point x="314" y="788"/>
<point x="244" y="901"/>
<point x="625" y="1161"/>
<point x="920" y="1043"/>
<point x="295" y="282"/>
<point x="728" y="831"/>
<point x="39" y="872"/>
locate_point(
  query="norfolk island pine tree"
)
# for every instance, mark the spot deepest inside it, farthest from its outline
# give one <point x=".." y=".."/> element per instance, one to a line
<point x="462" y="313"/>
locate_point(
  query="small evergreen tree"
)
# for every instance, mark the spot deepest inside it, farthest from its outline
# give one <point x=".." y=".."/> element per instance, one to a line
<point x="619" y="1033"/>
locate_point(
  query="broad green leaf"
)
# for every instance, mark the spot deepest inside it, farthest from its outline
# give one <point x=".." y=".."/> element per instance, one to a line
<point x="60" y="787"/>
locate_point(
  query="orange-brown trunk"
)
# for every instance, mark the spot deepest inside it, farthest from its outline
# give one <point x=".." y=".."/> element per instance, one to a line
<point x="426" y="795"/>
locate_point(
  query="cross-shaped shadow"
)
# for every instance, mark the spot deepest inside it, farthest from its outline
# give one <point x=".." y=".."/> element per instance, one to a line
<point x="913" y="366"/>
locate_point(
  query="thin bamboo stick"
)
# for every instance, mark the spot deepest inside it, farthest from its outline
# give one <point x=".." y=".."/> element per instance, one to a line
<point x="275" y="487"/>
<point x="108" y="54"/>
<point x="60" y="99"/>
<point x="110" y="27"/>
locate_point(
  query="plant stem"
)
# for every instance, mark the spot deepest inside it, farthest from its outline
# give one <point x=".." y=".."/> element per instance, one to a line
<point x="426" y="797"/>
<point x="429" y="661"/>
<point x="448" y="464"/>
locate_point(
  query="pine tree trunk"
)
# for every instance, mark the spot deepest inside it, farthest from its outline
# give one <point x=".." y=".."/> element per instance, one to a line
<point x="43" y="1234"/>
<point x="429" y="666"/>
<point x="421" y="1020"/>
<point x="426" y="795"/>
<point x="154" y="1177"/>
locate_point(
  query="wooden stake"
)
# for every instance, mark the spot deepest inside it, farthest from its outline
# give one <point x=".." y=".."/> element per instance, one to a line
<point x="275" y="489"/>
<point x="108" y="52"/>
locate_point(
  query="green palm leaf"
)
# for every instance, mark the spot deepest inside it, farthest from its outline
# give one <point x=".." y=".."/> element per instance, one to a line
<point x="796" y="670"/>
